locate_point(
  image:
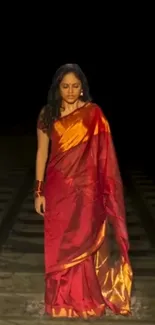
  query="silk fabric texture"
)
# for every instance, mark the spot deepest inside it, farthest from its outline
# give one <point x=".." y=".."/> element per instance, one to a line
<point x="85" y="221"/>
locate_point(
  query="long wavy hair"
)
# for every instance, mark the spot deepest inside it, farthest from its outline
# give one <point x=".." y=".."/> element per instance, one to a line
<point x="52" y="109"/>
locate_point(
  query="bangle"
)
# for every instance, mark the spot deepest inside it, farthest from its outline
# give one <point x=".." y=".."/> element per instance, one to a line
<point x="39" y="188"/>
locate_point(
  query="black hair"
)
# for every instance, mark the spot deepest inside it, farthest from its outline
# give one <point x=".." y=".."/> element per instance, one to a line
<point x="51" y="110"/>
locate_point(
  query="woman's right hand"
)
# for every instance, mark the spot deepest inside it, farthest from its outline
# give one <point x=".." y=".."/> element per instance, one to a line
<point x="40" y="205"/>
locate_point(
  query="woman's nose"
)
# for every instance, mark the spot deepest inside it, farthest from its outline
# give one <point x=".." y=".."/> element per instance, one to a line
<point x="70" y="89"/>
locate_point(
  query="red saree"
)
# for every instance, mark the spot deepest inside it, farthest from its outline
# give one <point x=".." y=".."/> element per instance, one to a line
<point x="84" y="200"/>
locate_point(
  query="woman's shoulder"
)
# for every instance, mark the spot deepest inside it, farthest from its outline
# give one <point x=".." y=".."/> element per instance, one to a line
<point x="98" y="115"/>
<point x="43" y="110"/>
<point x="41" y="118"/>
<point x="98" y="109"/>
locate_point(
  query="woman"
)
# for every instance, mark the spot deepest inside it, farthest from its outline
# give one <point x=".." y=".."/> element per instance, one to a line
<point x="82" y="203"/>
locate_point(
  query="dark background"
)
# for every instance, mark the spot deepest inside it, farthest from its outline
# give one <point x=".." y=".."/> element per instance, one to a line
<point x="122" y="84"/>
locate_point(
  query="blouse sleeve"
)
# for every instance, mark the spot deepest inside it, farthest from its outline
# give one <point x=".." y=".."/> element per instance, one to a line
<point x="40" y="121"/>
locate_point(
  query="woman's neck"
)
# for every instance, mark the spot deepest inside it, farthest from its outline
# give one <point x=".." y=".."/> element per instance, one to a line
<point x="67" y="107"/>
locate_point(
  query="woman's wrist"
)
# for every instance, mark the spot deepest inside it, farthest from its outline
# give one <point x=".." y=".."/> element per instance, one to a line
<point x="38" y="188"/>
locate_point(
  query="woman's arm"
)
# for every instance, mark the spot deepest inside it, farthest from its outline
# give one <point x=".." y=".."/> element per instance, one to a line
<point x="42" y="154"/>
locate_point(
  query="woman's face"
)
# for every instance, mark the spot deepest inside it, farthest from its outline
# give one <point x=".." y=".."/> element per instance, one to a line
<point x="70" y="88"/>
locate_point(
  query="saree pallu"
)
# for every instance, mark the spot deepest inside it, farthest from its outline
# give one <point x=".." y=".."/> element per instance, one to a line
<point x="87" y="268"/>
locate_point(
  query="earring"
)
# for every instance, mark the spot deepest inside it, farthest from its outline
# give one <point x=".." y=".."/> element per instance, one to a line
<point x="81" y="94"/>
